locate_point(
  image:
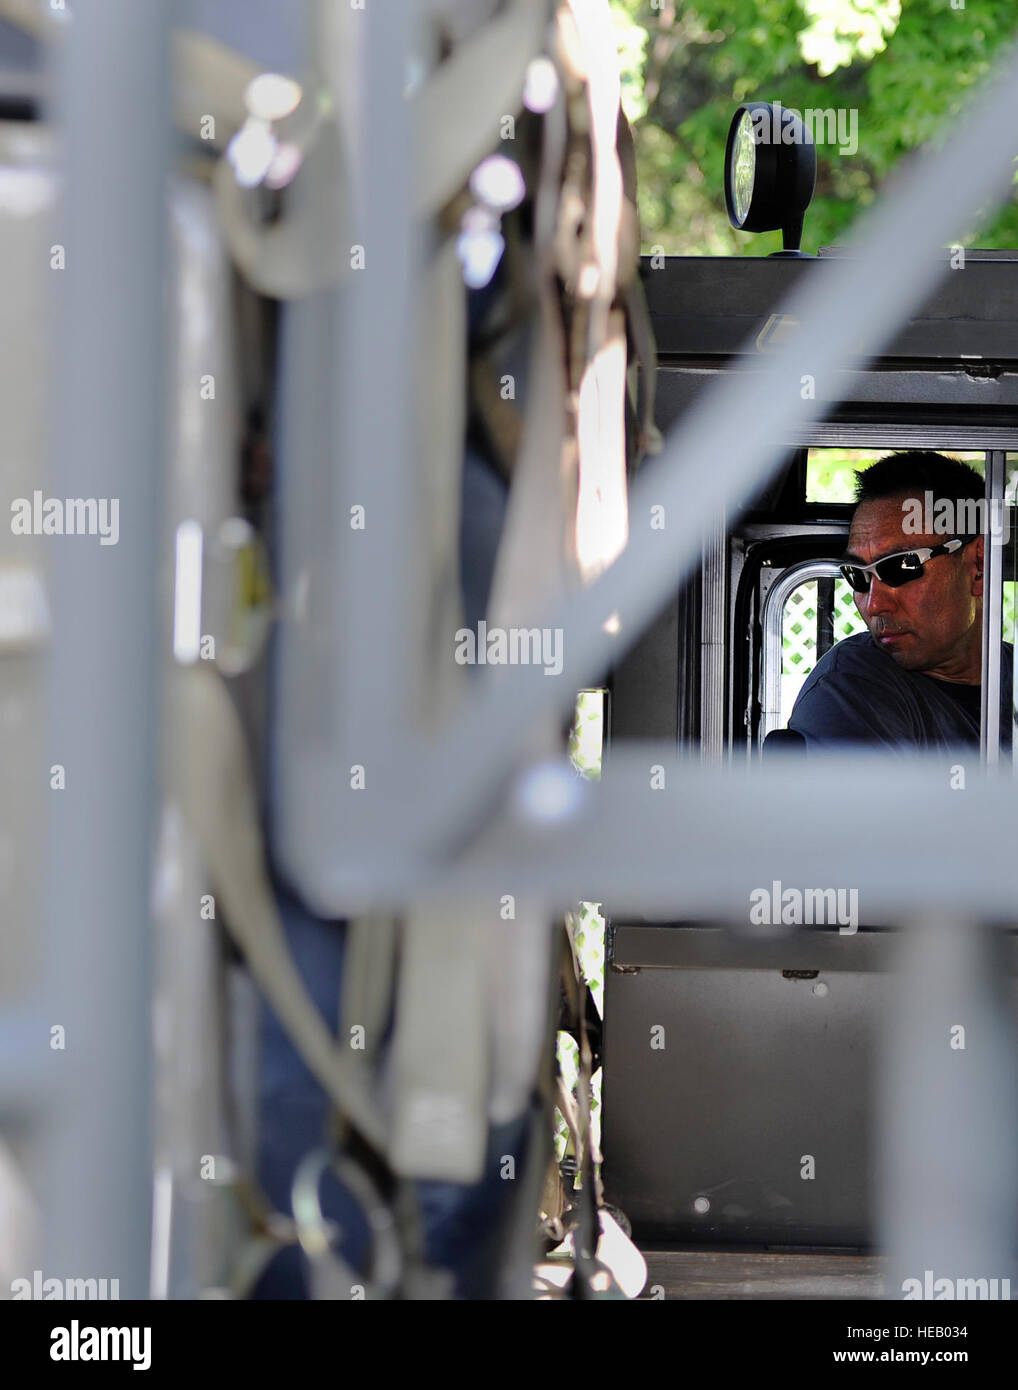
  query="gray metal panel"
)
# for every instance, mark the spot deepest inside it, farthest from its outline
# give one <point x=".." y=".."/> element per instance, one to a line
<point x="757" y="1072"/>
<point x="760" y="1068"/>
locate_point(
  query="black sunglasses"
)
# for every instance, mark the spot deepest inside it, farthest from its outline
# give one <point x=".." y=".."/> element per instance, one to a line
<point x="900" y="568"/>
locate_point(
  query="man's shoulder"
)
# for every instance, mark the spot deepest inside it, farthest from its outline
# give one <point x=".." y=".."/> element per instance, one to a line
<point x="855" y="694"/>
<point x="853" y="655"/>
<point x="859" y="654"/>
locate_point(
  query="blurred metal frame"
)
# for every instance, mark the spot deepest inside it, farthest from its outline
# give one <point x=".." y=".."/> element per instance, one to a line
<point x="618" y="835"/>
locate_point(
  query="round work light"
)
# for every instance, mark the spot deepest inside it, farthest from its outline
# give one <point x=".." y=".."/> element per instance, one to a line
<point x="770" y="171"/>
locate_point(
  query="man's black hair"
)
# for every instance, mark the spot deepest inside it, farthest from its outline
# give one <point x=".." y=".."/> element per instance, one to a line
<point x="914" y="472"/>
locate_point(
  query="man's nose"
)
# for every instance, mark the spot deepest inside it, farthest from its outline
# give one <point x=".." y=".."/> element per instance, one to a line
<point x="878" y="598"/>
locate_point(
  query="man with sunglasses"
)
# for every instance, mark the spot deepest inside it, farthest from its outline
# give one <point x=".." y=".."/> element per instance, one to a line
<point x="914" y="679"/>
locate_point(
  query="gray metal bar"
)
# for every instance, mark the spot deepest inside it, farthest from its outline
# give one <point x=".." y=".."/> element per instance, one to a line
<point x="113" y="90"/>
<point x="376" y="458"/>
<point x="661" y="850"/>
<point x="307" y="698"/>
<point x="25" y="1072"/>
<point x="723" y="460"/>
<point x="345" y="680"/>
<point x="949" y="1118"/>
<point x="993" y="574"/>
<point x="713" y="656"/>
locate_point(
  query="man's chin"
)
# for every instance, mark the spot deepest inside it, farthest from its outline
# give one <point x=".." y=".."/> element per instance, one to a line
<point x="900" y="649"/>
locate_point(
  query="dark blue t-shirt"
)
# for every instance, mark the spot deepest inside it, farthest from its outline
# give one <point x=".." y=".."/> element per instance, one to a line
<point x="859" y="694"/>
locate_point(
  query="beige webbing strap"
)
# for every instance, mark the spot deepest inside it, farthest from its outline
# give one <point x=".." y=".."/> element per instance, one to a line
<point x="460" y="108"/>
<point x="638" y="317"/>
<point x="440" y="417"/>
<point x="602" y="511"/>
<point x="369" y="974"/>
<point x="596" y="63"/>
<point x="535" y="564"/>
<point x="599" y="369"/>
<point x="441" y="1054"/>
<point x="438" y="1075"/>
<point x="536" y="556"/>
<point x="208" y="775"/>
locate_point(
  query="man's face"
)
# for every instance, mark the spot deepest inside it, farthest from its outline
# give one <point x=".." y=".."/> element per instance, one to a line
<point x="932" y="624"/>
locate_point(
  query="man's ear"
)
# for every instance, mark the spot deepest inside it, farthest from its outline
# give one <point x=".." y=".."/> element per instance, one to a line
<point x="977" y="573"/>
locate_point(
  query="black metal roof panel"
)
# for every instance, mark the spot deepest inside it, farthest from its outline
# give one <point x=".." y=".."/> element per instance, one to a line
<point x="718" y="306"/>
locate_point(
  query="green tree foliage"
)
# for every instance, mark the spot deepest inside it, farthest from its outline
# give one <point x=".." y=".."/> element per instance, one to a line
<point x="905" y="67"/>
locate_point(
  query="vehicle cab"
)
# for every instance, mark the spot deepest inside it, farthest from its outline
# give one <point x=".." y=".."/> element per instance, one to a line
<point x="751" y="1125"/>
